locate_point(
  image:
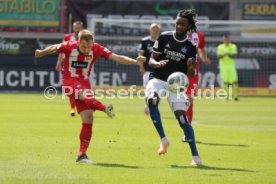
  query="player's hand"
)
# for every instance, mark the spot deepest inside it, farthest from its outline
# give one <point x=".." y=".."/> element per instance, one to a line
<point x="191" y="65"/>
<point x="226" y="54"/>
<point x="207" y="61"/>
<point x="162" y="63"/>
<point x="38" y="53"/>
<point x="140" y="59"/>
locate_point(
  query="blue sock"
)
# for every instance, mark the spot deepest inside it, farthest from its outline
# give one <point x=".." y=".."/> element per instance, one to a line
<point x="156" y="119"/>
<point x="189" y="133"/>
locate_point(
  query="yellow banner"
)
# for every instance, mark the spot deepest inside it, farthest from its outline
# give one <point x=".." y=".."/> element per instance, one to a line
<point x="257" y="92"/>
<point x="30" y="22"/>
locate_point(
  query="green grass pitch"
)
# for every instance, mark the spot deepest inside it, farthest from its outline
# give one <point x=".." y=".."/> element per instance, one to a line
<point x="39" y="142"/>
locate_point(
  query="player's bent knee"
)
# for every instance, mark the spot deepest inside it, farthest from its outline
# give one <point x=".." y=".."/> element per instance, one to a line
<point x="153" y="99"/>
<point x="182" y="118"/>
<point x="87" y="116"/>
<point x="179" y="113"/>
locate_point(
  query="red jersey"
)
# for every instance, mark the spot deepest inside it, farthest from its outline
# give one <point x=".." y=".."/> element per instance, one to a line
<point x="77" y="64"/>
<point x="199" y="40"/>
<point x="70" y="37"/>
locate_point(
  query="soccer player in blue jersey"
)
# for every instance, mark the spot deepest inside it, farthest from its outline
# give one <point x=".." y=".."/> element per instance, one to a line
<point x="173" y="52"/>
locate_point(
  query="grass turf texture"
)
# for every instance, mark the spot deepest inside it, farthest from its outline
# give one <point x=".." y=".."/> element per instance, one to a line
<point x="39" y="143"/>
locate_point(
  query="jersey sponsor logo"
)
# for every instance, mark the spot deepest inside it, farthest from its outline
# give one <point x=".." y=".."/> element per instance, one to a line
<point x="176" y="56"/>
<point x="77" y="64"/>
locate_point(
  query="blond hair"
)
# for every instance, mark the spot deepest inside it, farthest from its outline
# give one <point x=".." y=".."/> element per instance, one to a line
<point x="154" y="25"/>
<point x="85" y="35"/>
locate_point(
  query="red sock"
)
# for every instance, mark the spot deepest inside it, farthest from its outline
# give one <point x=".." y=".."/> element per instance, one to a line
<point x="85" y="137"/>
<point x="94" y="104"/>
<point x="189" y="113"/>
<point x="72" y="102"/>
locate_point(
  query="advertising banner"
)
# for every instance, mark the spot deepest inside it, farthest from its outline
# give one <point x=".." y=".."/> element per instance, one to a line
<point x="20" y="46"/>
<point x="107" y="73"/>
<point x="165" y="10"/>
<point x="255" y="63"/>
<point x="44" y="13"/>
<point x="259" y="11"/>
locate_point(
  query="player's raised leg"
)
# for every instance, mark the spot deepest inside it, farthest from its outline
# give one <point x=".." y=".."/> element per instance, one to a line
<point x="85" y="94"/>
<point x="156" y="119"/>
<point x="153" y="102"/>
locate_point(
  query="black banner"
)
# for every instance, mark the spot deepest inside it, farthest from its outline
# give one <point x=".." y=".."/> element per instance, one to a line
<point x="20" y="46"/>
<point x="145" y="9"/>
<point x="108" y="73"/>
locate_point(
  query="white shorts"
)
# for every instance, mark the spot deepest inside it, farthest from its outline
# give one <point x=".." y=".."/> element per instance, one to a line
<point x="146" y="78"/>
<point x="176" y="101"/>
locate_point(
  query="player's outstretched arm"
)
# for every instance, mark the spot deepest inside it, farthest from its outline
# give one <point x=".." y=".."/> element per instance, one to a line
<point x="59" y="63"/>
<point x="141" y="66"/>
<point x="127" y="60"/>
<point x="154" y="64"/>
<point x="49" y="50"/>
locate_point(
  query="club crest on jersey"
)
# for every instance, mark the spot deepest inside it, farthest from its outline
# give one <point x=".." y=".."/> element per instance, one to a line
<point x="184" y="50"/>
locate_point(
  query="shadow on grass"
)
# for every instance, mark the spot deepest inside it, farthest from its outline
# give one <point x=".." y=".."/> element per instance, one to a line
<point x="205" y="167"/>
<point x="117" y="165"/>
<point x="220" y="144"/>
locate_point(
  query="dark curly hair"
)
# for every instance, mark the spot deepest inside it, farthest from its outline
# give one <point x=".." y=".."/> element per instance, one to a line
<point x="189" y="14"/>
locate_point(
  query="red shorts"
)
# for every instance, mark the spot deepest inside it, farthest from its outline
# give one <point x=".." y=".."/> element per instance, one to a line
<point x="193" y="85"/>
<point x="71" y="86"/>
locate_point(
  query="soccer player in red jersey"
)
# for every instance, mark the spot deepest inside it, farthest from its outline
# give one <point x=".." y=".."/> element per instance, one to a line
<point x="199" y="40"/>
<point x="79" y="58"/>
<point x="77" y="27"/>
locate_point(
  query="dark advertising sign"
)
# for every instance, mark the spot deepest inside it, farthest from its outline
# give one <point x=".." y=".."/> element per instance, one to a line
<point x="20" y="46"/>
<point x="165" y="10"/>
